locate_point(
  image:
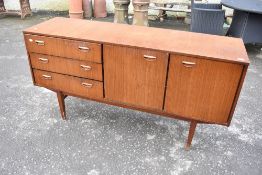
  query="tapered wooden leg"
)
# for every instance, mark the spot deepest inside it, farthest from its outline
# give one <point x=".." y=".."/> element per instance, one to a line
<point x="191" y="133"/>
<point x="61" y="101"/>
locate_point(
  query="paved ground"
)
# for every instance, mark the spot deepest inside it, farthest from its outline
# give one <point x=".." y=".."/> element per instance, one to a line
<point x="102" y="139"/>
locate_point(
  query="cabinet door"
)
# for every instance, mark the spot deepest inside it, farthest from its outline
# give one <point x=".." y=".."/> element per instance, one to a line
<point x="201" y="89"/>
<point x="135" y="76"/>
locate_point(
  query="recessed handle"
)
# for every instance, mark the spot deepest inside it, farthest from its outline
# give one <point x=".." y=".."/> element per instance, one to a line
<point x="43" y="60"/>
<point x="85" y="67"/>
<point x="39" y="42"/>
<point x="149" y="58"/>
<point x="188" y="64"/>
<point x="87" y="85"/>
<point x="84" y="49"/>
<point x="47" y="77"/>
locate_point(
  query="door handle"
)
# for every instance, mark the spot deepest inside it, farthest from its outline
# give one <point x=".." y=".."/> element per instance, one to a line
<point x="43" y="60"/>
<point x="84" y="49"/>
<point x="47" y="77"/>
<point x="87" y="85"/>
<point x="149" y="58"/>
<point x="85" y="67"/>
<point x="39" y="42"/>
<point x="188" y="64"/>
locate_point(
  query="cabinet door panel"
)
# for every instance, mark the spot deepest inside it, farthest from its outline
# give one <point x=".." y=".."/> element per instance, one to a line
<point x="135" y="76"/>
<point x="201" y="89"/>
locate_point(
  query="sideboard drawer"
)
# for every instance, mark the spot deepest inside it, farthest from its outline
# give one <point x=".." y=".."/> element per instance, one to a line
<point x="64" y="48"/>
<point x="73" y="85"/>
<point x="67" y="66"/>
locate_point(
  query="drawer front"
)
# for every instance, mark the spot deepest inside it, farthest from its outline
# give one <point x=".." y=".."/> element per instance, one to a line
<point x="64" y="48"/>
<point x="77" y="86"/>
<point x="78" y="68"/>
<point x="201" y="89"/>
<point x="135" y="76"/>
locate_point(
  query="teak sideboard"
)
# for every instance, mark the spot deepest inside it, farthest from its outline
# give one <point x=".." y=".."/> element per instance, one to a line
<point x="189" y="76"/>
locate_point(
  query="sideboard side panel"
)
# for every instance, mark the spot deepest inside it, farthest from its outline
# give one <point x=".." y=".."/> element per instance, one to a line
<point x="237" y="94"/>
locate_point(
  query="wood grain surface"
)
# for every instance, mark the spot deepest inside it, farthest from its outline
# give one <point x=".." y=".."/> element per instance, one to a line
<point x="131" y="78"/>
<point x="204" y="91"/>
<point x="61" y="65"/>
<point x="64" y="48"/>
<point x="64" y="83"/>
<point x="179" y="42"/>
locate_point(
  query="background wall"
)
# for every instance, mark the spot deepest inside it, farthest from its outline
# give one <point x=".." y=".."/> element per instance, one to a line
<point x="62" y="5"/>
<point x="58" y="5"/>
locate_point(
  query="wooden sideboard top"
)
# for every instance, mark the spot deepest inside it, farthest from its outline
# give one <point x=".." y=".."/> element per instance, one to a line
<point x="174" y="41"/>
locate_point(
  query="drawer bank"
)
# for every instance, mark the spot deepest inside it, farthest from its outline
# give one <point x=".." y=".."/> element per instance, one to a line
<point x="188" y="76"/>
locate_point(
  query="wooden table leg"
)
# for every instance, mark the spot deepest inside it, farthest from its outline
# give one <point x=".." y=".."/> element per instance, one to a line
<point x="61" y="101"/>
<point x="191" y="133"/>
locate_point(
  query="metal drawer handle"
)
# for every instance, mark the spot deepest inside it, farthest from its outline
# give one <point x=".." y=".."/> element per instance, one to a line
<point x="43" y="60"/>
<point x="85" y="67"/>
<point x="88" y="85"/>
<point x="188" y="64"/>
<point x="39" y="42"/>
<point x="84" y="49"/>
<point x="47" y="77"/>
<point x="149" y="58"/>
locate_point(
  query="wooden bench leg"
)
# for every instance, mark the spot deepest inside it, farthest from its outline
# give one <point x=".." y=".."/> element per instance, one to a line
<point x="191" y="133"/>
<point x="61" y="100"/>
